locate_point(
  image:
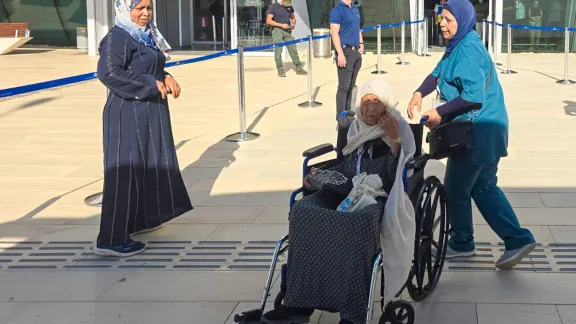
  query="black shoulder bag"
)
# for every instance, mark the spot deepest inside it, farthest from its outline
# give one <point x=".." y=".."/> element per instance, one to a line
<point x="453" y="138"/>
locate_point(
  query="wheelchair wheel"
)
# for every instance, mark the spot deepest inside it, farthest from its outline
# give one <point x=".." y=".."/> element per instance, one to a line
<point x="398" y="312"/>
<point x="432" y="228"/>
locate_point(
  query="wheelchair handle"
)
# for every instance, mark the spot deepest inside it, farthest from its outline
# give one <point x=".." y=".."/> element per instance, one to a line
<point x="347" y="113"/>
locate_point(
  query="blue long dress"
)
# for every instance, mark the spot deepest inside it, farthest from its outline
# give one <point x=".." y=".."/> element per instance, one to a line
<point x="143" y="186"/>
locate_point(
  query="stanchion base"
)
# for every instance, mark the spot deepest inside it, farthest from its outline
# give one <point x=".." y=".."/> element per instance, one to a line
<point x="509" y="72"/>
<point x="402" y="63"/>
<point x="310" y="104"/>
<point x="379" y="72"/>
<point x="565" y="82"/>
<point x="242" y="137"/>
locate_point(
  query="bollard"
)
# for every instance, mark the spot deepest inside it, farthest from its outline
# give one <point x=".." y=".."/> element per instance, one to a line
<point x="310" y="103"/>
<point x="509" y="59"/>
<point x="403" y="46"/>
<point x="566" y="54"/>
<point x="379" y="52"/>
<point x="243" y="135"/>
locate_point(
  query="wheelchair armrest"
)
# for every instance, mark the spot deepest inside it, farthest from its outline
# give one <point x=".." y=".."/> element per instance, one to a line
<point x="318" y="151"/>
<point x="419" y="162"/>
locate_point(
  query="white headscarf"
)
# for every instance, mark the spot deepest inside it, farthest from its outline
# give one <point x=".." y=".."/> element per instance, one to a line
<point x="149" y="35"/>
<point x="360" y="132"/>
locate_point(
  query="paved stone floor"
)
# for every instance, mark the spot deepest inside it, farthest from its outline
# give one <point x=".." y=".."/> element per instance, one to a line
<point x="210" y="263"/>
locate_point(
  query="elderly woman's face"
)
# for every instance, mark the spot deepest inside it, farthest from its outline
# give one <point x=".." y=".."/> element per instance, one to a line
<point x="449" y="25"/>
<point x="142" y="13"/>
<point x="371" y="109"/>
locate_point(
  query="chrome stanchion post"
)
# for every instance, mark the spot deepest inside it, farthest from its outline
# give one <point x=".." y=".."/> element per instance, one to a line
<point x="497" y="33"/>
<point x="223" y="31"/>
<point x="403" y="45"/>
<point x="310" y="103"/>
<point x="379" y="51"/>
<point x="243" y="135"/>
<point x="566" y="54"/>
<point x="426" y="44"/>
<point x="214" y="28"/>
<point x="484" y="31"/>
<point x="509" y="58"/>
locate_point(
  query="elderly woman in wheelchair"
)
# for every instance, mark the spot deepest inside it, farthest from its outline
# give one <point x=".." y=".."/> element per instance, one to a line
<point x="337" y="246"/>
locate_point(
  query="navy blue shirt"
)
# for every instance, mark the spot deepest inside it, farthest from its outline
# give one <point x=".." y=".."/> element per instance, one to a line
<point x="349" y="20"/>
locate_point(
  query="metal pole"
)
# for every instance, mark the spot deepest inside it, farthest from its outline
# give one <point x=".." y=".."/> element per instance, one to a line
<point x="484" y="31"/>
<point x="379" y="51"/>
<point x="566" y="53"/>
<point x="223" y="31"/>
<point x="310" y="103"/>
<point x="243" y="135"/>
<point x="214" y="28"/>
<point x="426" y="44"/>
<point x="403" y="45"/>
<point x="509" y="58"/>
<point x="497" y="34"/>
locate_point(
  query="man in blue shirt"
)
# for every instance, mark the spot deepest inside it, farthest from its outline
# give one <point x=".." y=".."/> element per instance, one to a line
<point x="349" y="46"/>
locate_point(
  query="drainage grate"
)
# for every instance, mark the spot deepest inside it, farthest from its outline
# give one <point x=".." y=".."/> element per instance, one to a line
<point x="236" y="255"/>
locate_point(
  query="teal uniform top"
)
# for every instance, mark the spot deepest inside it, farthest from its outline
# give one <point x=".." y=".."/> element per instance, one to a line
<point x="468" y="72"/>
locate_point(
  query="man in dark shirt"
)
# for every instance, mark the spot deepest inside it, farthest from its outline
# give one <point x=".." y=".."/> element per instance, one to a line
<point x="282" y="20"/>
<point x="349" y="47"/>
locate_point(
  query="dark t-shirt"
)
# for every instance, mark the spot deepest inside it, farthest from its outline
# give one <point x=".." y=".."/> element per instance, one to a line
<point x="281" y="14"/>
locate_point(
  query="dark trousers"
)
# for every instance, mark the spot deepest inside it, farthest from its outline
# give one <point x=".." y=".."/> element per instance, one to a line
<point x="347" y="79"/>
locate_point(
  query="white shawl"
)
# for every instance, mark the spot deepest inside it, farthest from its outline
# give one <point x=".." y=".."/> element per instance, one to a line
<point x="398" y="226"/>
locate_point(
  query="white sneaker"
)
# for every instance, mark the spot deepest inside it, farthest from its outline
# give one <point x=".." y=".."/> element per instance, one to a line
<point x="511" y="258"/>
<point x="450" y="253"/>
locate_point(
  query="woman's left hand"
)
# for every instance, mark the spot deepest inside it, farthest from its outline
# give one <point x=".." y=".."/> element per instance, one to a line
<point x="433" y="118"/>
<point x="172" y="86"/>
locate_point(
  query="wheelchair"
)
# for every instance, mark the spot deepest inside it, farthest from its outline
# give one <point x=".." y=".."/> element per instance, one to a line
<point x="432" y="228"/>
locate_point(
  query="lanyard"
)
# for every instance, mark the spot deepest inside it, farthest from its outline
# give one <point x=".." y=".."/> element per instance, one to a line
<point x="360" y="152"/>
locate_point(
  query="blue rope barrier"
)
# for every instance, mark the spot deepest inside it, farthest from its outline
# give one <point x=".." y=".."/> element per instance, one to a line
<point x="544" y="28"/>
<point x="47" y="84"/>
<point x="265" y="47"/>
<point x="9" y="92"/>
<point x="202" y="58"/>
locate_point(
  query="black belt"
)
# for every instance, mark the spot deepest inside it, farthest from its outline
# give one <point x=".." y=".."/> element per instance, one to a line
<point x="355" y="47"/>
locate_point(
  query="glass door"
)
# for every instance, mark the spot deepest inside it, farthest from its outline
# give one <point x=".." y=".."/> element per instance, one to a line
<point x="210" y="22"/>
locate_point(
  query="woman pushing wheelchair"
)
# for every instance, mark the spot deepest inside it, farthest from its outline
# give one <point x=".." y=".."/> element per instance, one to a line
<point x="470" y="105"/>
<point x="333" y="244"/>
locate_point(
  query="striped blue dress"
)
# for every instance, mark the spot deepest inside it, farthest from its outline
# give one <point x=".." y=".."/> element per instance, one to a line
<point x="143" y="186"/>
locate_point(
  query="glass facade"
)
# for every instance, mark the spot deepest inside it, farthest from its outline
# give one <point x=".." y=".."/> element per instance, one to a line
<point x="252" y="27"/>
<point x="372" y="12"/>
<point x="52" y="22"/>
<point x="547" y="13"/>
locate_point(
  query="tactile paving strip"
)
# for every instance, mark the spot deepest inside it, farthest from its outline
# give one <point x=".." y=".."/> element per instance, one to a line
<point x="160" y="255"/>
<point x="236" y="255"/>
